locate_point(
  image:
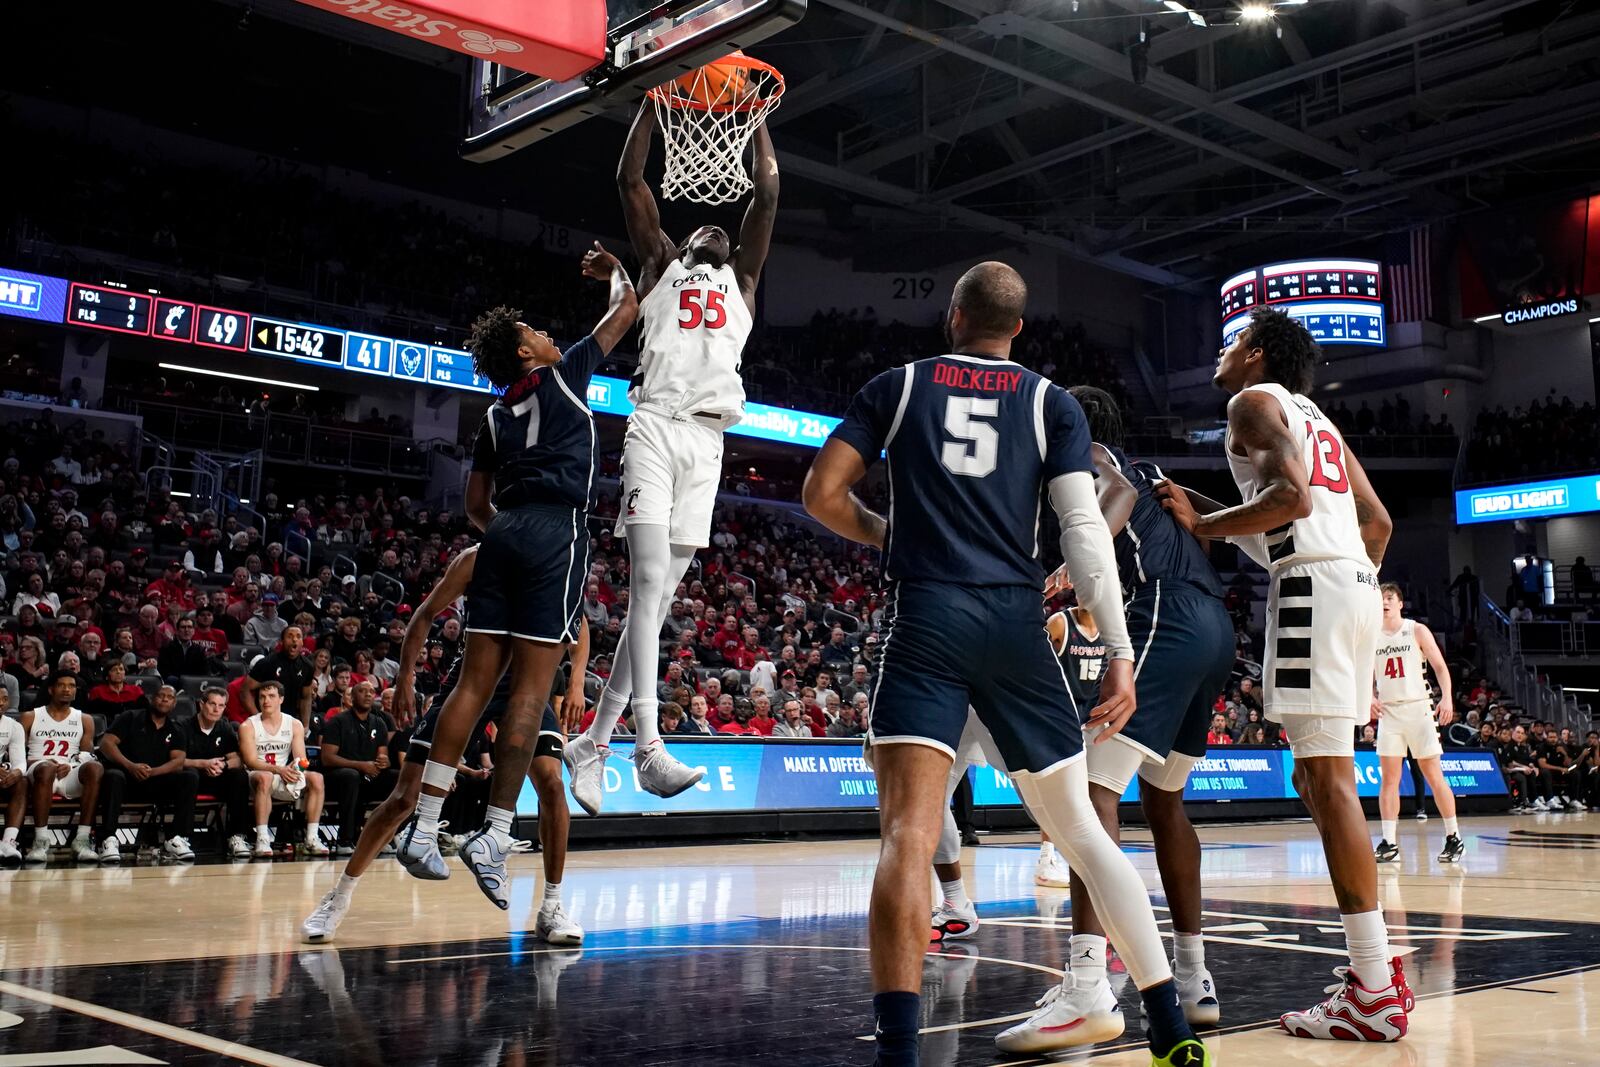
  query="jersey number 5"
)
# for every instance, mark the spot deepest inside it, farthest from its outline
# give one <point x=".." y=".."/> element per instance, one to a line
<point x="712" y="315"/>
<point x="1327" y="461"/>
<point x="976" y="447"/>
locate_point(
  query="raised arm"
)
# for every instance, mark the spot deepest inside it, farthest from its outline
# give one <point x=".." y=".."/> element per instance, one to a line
<point x="1441" y="670"/>
<point x="622" y="306"/>
<point x="827" y="496"/>
<point x="1256" y="428"/>
<point x="755" y="233"/>
<point x="639" y="210"/>
<point x="1376" y="526"/>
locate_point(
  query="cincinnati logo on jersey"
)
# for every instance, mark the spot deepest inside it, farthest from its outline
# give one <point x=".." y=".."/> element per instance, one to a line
<point x="1394" y="650"/>
<point x="633" y="501"/>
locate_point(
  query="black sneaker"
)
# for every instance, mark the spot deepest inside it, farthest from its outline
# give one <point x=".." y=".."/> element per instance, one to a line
<point x="1386" y="853"/>
<point x="1453" y="849"/>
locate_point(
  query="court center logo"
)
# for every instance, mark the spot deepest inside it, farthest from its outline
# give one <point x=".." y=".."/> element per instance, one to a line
<point x="483" y="44"/>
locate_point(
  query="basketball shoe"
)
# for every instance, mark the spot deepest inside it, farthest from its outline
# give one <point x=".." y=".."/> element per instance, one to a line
<point x="553" y="926"/>
<point x="952" y="923"/>
<point x="485" y="854"/>
<point x="1453" y="849"/>
<point x="1386" y="853"/>
<point x="662" y="773"/>
<point x="1190" y="1053"/>
<point x="586" y="763"/>
<point x="419" y="852"/>
<point x="1069" y="1015"/>
<point x="323" y="923"/>
<point x="1051" y="871"/>
<point x="1352" y="1013"/>
<point x="10" y="855"/>
<point x="1397" y="974"/>
<point x="1197" y="992"/>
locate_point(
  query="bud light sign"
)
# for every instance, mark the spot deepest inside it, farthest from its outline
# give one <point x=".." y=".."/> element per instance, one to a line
<point x="1528" y="500"/>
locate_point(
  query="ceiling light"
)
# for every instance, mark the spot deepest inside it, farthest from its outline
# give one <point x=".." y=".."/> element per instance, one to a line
<point x="1255" y="13"/>
<point x="1195" y="18"/>
<point x="237" y="377"/>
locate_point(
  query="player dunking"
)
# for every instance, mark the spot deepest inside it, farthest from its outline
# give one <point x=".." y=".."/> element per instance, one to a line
<point x="530" y="491"/>
<point x="1408" y="721"/>
<point x="973" y="442"/>
<point x="1311" y="518"/>
<point x="696" y="307"/>
<point x="551" y="923"/>
<point x="1183" y="638"/>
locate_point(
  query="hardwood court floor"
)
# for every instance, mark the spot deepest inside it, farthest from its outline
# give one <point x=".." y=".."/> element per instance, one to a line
<point x="755" y="953"/>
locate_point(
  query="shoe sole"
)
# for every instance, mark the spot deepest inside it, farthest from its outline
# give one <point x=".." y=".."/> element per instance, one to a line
<point x="485" y="889"/>
<point x="940" y="937"/>
<point x="572" y="774"/>
<point x="1090" y="1030"/>
<point x="1203" y="1014"/>
<point x="1388" y="859"/>
<point x="668" y="796"/>
<point x="567" y="940"/>
<point x="315" y="939"/>
<point x="1051" y="883"/>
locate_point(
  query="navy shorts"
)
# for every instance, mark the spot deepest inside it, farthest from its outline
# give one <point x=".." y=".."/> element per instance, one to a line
<point x="551" y="739"/>
<point x="1183" y="648"/>
<point x="528" y="581"/>
<point x="948" y="646"/>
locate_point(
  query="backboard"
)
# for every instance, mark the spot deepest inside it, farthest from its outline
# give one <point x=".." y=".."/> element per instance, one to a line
<point x="648" y="42"/>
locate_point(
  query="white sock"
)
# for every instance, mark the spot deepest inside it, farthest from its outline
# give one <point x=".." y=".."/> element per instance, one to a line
<point x="10" y="835"/>
<point x="552" y="892"/>
<point x="646" y="719"/>
<point x="262" y="833"/>
<point x="499" y="819"/>
<point x="313" y="833"/>
<point x="955" y="893"/>
<point x="1451" y="826"/>
<point x="1046" y="851"/>
<point x="1368" y="941"/>
<point x="1189" y="955"/>
<point x="428" y="809"/>
<point x="83" y="832"/>
<point x="613" y="702"/>
<point x="1088" y="960"/>
<point x="1391" y="831"/>
<point x="346" y="885"/>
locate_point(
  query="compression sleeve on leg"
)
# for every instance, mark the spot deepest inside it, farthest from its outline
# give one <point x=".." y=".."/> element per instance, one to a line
<point x="650" y="562"/>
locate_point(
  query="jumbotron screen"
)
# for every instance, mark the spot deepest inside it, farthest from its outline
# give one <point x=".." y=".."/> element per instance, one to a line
<point x="1339" y="300"/>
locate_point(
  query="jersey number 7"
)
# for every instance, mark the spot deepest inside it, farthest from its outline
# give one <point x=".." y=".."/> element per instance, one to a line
<point x="711" y="314"/>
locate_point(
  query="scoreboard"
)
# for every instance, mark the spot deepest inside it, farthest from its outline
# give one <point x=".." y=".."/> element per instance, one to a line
<point x="1340" y="301"/>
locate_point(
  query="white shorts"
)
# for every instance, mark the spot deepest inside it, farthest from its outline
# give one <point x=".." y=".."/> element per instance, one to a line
<point x="1113" y="764"/>
<point x="1409" y="726"/>
<point x="1323" y="622"/>
<point x="286" y="793"/>
<point x="69" y="787"/>
<point x="1320" y="735"/>
<point x="671" y="469"/>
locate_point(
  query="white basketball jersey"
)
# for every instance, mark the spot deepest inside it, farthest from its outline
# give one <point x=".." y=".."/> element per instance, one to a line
<point x="692" y="330"/>
<point x="274" y="749"/>
<point x="52" y="740"/>
<point x="1399" y="666"/>
<point x="1331" y="531"/>
<point x="13" y="744"/>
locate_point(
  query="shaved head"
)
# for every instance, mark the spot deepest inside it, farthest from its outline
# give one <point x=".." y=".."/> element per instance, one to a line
<point x="990" y="298"/>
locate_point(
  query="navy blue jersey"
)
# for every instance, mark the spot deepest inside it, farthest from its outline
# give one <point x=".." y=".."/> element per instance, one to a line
<point x="971" y="443"/>
<point x="538" y="439"/>
<point x="1083" y="659"/>
<point x="1153" y="547"/>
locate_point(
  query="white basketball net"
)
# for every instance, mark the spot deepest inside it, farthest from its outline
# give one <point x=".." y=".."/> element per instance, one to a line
<point x="705" y="146"/>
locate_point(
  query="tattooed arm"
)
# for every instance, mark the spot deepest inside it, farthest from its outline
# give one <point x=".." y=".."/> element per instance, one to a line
<point x="1376" y="525"/>
<point x="1257" y="431"/>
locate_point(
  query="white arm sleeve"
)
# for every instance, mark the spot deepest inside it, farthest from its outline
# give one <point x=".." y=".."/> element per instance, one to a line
<point x="1091" y="560"/>
<point x="16" y="747"/>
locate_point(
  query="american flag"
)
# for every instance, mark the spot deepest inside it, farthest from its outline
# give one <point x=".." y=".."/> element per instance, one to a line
<point x="1410" y="276"/>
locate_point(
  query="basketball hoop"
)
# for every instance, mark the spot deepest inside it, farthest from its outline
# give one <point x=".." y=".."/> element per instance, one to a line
<point x="707" y="118"/>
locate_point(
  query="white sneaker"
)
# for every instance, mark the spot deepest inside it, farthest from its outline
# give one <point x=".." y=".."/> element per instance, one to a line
<point x="315" y="846"/>
<point x="10" y="853"/>
<point x="263" y="849"/>
<point x="586" y="763"/>
<point x="553" y="925"/>
<point x="1052" y="871"/>
<point x="662" y="773"/>
<point x="324" y="922"/>
<point x="951" y="923"/>
<point x="1352" y="1013"/>
<point x="39" y="851"/>
<point x="1574" y="804"/>
<point x="238" y="847"/>
<point x="1540" y="805"/>
<point x="177" y="848"/>
<point x="1198" y="995"/>
<point x="1067" y="1017"/>
<point x="83" y="850"/>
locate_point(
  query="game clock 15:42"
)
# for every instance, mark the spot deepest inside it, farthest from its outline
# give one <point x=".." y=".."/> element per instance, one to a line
<point x="296" y="340"/>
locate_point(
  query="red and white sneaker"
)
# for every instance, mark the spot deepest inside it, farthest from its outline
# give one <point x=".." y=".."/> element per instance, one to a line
<point x="951" y="923"/>
<point x="1396" y="972"/>
<point x="1352" y="1013"/>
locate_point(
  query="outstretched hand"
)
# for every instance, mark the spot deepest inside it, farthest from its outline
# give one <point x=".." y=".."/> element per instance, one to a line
<point x="1117" y="702"/>
<point x="1175" y="499"/>
<point x="1058" y="582"/>
<point x="598" y="263"/>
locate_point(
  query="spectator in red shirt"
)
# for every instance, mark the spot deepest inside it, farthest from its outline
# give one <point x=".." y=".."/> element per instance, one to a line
<point x="237" y="712"/>
<point x="236" y="588"/>
<point x="762" y="720"/>
<point x="740" y="716"/>
<point x="207" y="636"/>
<point x="726" y="641"/>
<point x="722" y="711"/>
<point x="748" y="654"/>
<point x="1218" y="734"/>
<point x="173" y="585"/>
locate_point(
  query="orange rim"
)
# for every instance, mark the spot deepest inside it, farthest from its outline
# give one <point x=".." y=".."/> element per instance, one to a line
<point x="732" y="59"/>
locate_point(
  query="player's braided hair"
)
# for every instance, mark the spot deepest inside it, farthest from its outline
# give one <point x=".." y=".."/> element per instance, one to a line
<point x="1105" y="418"/>
<point x="1290" y="352"/>
<point x="493" y="343"/>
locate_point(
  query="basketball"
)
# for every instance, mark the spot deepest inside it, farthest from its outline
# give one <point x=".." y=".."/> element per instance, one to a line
<point x="722" y="84"/>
